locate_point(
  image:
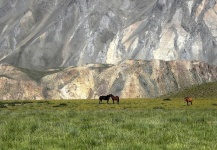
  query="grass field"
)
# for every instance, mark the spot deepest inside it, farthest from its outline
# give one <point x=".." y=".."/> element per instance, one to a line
<point x="205" y="90"/>
<point x="134" y="124"/>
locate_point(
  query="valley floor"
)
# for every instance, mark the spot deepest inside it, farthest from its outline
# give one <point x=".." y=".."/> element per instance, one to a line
<point x="86" y="124"/>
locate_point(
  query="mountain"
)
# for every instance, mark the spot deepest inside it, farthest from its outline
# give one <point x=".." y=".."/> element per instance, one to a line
<point x="46" y="34"/>
<point x="79" y="49"/>
<point x="129" y="79"/>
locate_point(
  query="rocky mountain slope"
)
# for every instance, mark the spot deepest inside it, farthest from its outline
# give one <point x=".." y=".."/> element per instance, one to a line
<point x="129" y="79"/>
<point x="44" y="34"/>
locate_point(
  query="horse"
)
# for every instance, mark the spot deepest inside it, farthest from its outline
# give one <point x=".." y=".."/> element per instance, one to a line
<point x="114" y="98"/>
<point x="107" y="97"/>
<point x="188" y="100"/>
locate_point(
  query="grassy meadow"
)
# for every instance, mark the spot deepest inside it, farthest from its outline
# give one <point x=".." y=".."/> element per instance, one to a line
<point x="134" y="124"/>
<point x="205" y="90"/>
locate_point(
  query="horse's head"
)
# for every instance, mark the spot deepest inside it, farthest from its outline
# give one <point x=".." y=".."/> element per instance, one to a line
<point x="188" y="98"/>
<point x="110" y="95"/>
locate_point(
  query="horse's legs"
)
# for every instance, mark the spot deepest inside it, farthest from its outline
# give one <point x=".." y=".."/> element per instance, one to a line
<point x="191" y="102"/>
<point x="107" y="101"/>
<point x="113" y="101"/>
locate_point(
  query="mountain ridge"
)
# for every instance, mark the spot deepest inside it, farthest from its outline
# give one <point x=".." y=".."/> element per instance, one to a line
<point x="130" y="79"/>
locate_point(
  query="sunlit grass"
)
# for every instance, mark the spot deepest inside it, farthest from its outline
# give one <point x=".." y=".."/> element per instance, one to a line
<point x="206" y="90"/>
<point x="86" y="124"/>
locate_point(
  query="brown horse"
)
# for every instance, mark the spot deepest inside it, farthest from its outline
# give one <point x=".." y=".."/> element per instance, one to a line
<point x="107" y="97"/>
<point x="188" y="100"/>
<point x="114" y="98"/>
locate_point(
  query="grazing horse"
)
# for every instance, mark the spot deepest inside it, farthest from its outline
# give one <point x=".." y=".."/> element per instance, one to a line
<point x="114" y="98"/>
<point x="188" y="100"/>
<point x="107" y="97"/>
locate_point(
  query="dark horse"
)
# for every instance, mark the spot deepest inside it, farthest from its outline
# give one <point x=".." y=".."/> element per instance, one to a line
<point x="107" y="97"/>
<point x="114" y="98"/>
<point x="188" y="100"/>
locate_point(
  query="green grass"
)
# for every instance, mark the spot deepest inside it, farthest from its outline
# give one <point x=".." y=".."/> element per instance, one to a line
<point x="85" y="124"/>
<point x="206" y="90"/>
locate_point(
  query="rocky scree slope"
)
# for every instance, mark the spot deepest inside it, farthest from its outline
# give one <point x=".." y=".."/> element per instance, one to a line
<point x="46" y="34"/>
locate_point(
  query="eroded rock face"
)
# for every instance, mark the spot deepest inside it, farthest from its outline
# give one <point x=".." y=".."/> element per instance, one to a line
<point x="130" y="79"/>
<point x="17" y="85"/>
<point x="47" y="34"/>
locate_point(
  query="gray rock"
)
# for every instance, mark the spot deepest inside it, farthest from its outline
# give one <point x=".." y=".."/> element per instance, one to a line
<point x="46" y="34"/>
